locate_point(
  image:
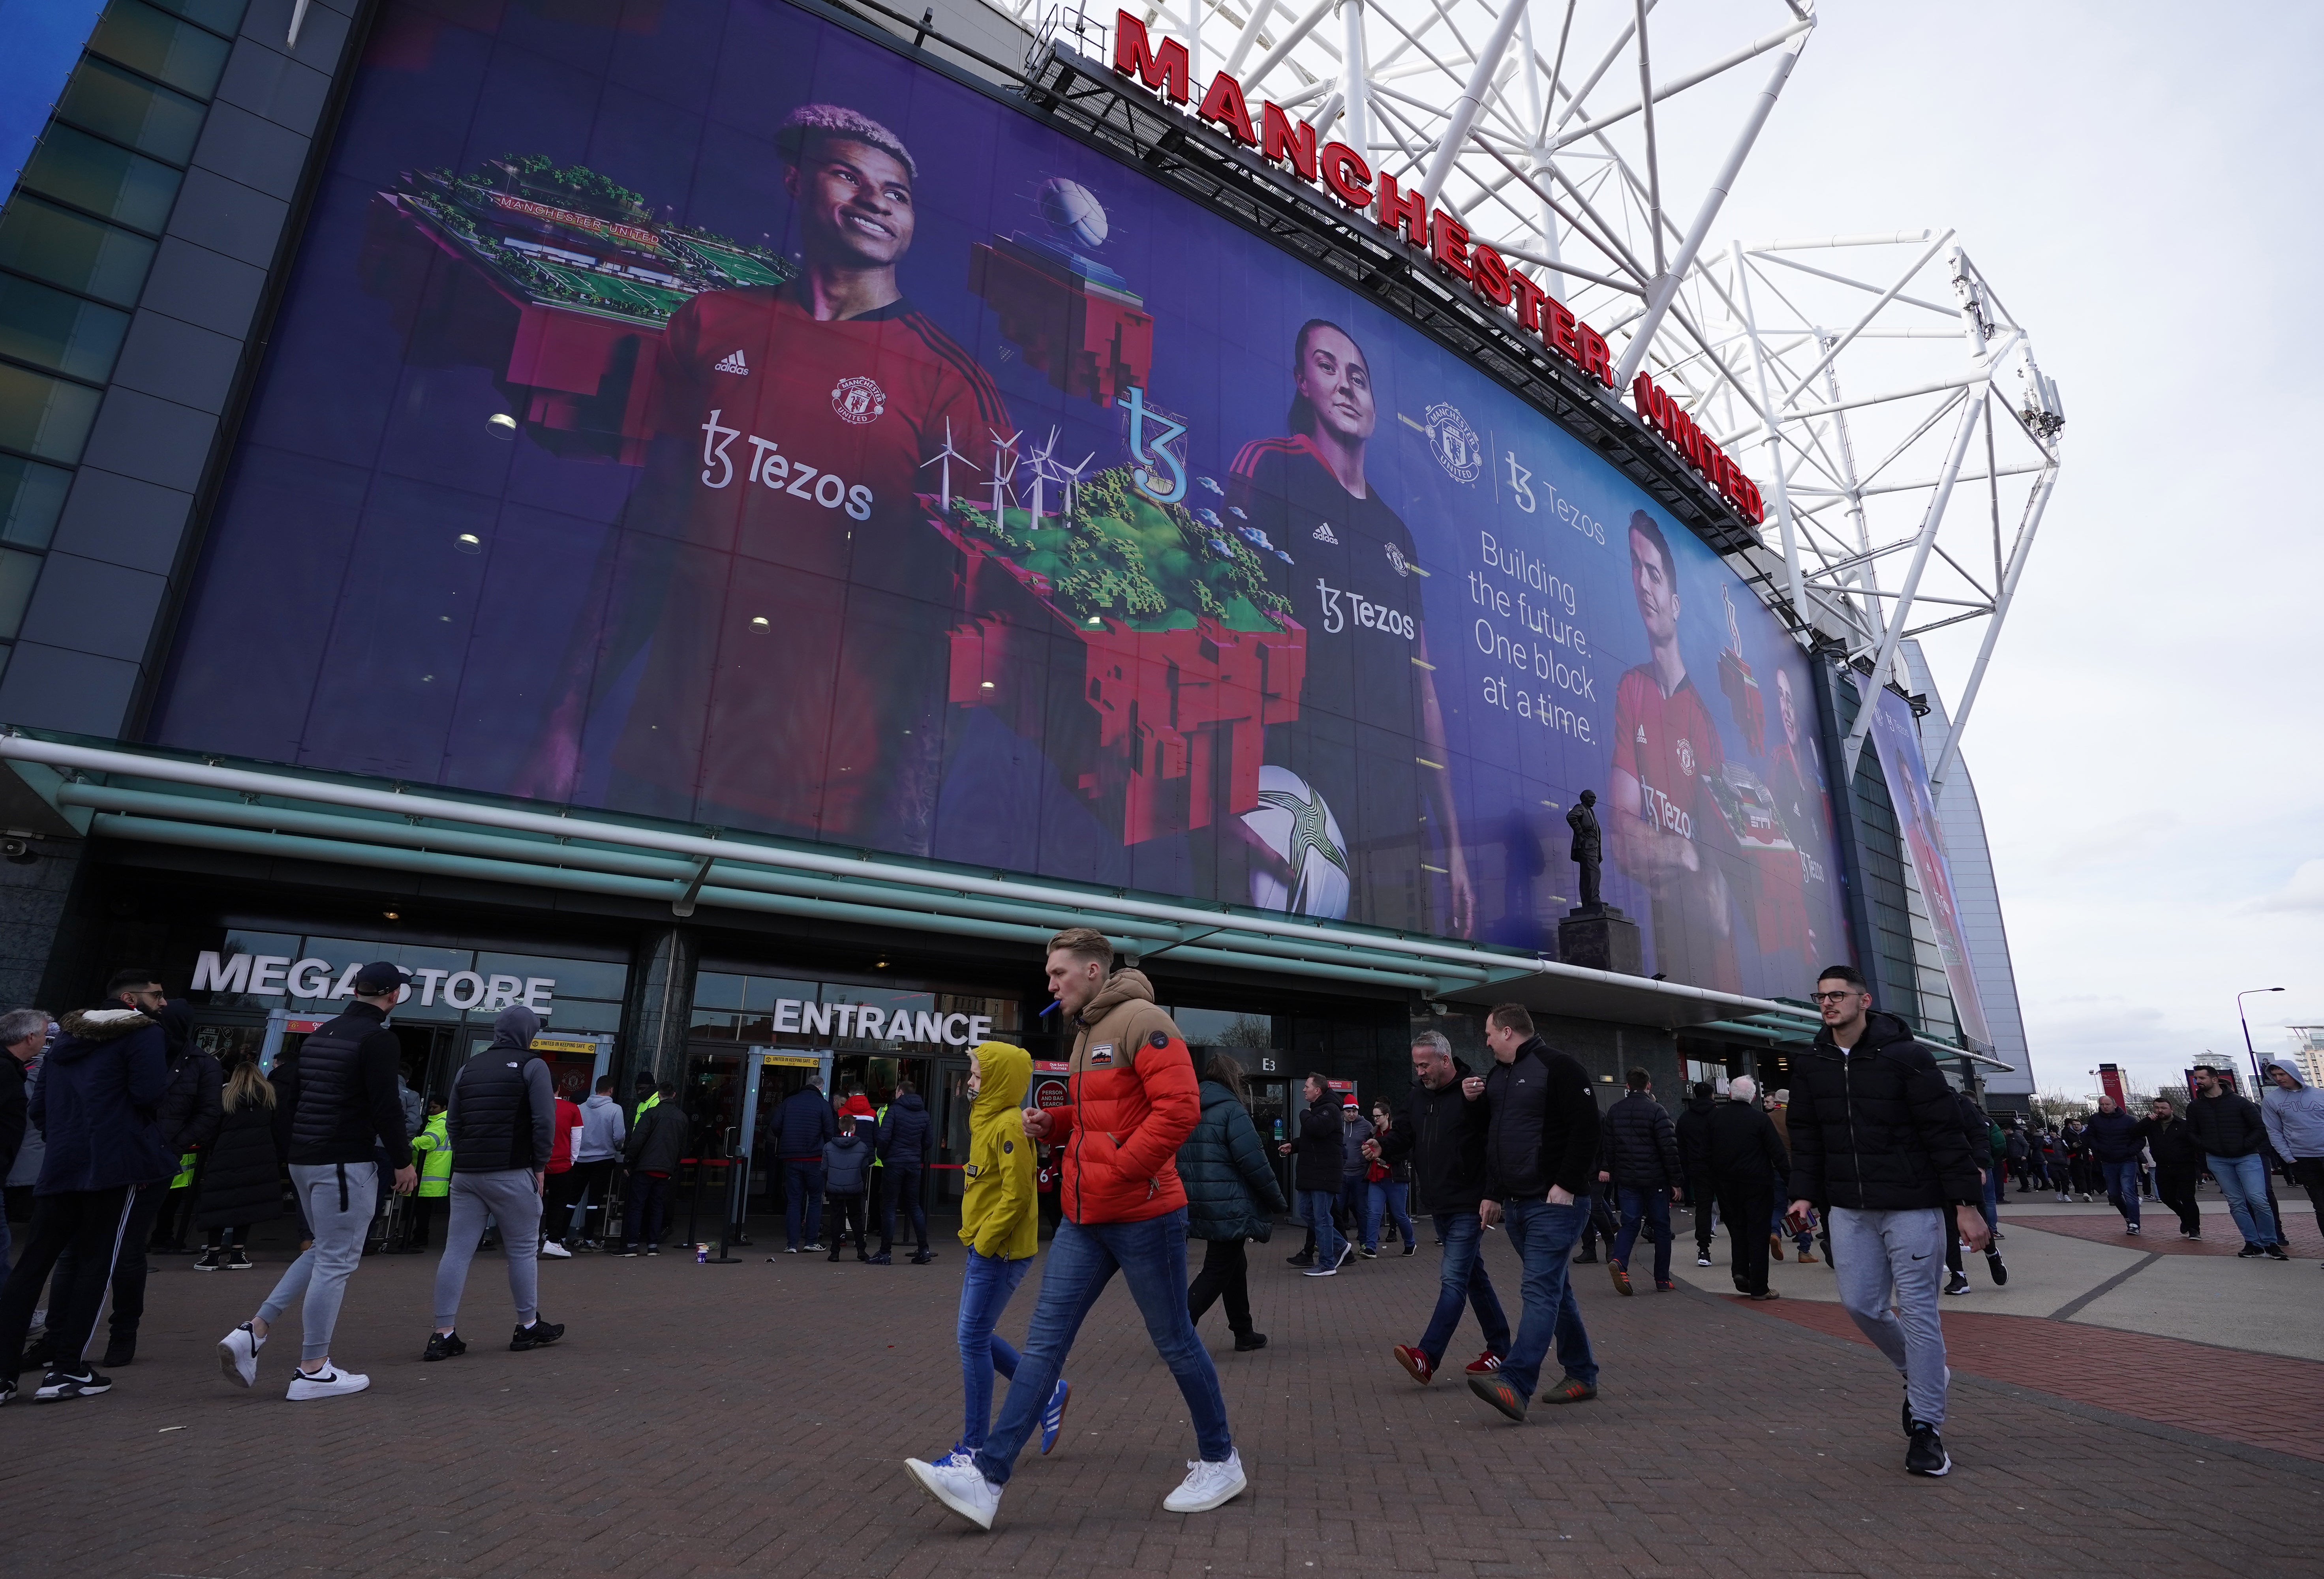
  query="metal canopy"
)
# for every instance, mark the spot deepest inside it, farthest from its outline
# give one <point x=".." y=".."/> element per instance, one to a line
<point x="153" y="796"/>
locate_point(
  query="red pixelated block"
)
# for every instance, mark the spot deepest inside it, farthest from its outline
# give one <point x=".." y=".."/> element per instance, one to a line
<point x="1087" y="343"/>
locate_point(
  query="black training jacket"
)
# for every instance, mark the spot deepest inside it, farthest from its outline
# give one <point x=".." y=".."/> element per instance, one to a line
<point x="1541" y="1126"/>
<point x="1877" y="1129"/>
<point x="1694" y="1131"/>
<point x="1442" y="1133"/>
<point x="1638" y="1146"/>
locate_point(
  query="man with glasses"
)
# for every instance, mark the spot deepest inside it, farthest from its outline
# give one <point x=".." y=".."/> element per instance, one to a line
<point x="1878" y="1144"/>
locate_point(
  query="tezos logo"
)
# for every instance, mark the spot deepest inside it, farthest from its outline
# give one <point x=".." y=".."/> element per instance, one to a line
<point x="1150" y="436"/>
<point x="1454" y="443"/>
<point x="859" y="401"/>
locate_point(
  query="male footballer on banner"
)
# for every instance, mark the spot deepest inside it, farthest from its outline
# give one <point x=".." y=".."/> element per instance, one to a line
<point x="1353" y="580"/>
<point x="790" y="645"/>
<point x="1665" y="821"/>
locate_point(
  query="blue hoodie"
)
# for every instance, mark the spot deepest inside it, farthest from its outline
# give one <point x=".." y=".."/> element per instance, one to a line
<point x="2295" y="1119"/>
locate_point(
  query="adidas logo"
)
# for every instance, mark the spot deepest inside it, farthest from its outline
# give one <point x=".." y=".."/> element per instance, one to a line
<point x="1324" y="534"/>
<point x="733" y="364"/>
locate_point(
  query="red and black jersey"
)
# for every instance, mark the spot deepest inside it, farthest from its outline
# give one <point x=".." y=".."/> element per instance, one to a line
<point x="797" y="667"/>
<point x="1667" y="742"/>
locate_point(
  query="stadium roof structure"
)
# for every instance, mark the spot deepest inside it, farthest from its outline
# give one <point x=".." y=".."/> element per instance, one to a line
<point x="1875" y="386"/>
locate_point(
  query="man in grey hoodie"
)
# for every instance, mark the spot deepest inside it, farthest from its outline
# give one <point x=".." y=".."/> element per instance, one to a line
<point x="603" y="1133"/>
<point x="500" y="1122"/>
<point x="2293" y="1112"/>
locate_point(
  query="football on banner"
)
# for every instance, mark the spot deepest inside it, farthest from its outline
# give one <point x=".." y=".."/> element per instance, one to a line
<point x="1293" y="820"/>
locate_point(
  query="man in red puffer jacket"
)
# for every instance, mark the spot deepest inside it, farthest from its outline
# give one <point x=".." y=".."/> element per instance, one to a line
<point x="1133" y="1102"/>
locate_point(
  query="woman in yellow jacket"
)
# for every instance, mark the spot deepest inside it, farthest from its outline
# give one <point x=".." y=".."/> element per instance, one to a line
<point x="999" y="1222"/>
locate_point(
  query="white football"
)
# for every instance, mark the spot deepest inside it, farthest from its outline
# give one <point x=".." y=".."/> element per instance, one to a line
<point x="1295" y="823"/>
<point x="1074" y="212"/>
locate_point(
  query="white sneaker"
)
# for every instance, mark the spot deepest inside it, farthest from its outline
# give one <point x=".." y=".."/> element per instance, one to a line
<point x="238" y="1356"/>
<point x="1208" y="1485"/>
<point x="554" y="1251"/>
<point x="961" y="1487"/>
<point x="332" y="1383"/>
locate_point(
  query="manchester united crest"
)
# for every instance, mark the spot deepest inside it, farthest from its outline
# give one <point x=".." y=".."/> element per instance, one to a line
<point x="859" y="401"/>
<point x="1454" y="443"/>
<point x="1685" y="747"/>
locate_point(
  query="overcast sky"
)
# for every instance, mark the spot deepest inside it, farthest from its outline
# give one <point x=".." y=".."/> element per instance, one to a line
<point x="2137" y="179"/>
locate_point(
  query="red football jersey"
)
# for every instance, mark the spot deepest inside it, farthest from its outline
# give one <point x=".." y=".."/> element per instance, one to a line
<point x="1669" y="744"/>
<point x="796" y="674"/>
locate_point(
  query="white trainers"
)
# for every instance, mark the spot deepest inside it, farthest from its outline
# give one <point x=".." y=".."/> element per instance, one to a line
<point x="331" y="1383"/>
<point x="961" y="1487"/>
<point x="238" y="1356"/>
<point x="1208" y="1485"/>
<point x="554" y="1251"/>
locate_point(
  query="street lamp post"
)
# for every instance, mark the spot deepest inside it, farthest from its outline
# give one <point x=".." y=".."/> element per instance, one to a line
<point x="2249" y="1052"/>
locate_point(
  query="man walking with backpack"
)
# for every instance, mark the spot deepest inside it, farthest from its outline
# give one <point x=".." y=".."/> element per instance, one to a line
<point x="1877" y="1146"/>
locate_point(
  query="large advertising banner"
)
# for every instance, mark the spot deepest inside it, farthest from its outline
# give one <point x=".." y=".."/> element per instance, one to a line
<point x="692" y="408"/>
<point x="1895" y="734"/>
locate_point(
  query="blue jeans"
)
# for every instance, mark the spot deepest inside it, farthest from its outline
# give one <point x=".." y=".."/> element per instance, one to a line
<point x="1644" y="1206"/>
<point x="1993" y="1182"/>
<point x="984" y="1293"/>
<point x="1543" y="1236"/>
<point x="1386" y="1197"/>
<point x="2122" y="1189"/>
<point x="802" y="1203"/>
<point x="1315" y="1211"/>
<point x="1151" y="1257"/>
<point x="2243" y="1181"/>
<point x="1463" y="1282"/>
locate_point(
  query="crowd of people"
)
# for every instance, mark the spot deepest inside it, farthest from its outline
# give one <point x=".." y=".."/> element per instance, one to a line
<point x="1871" y="1163"/>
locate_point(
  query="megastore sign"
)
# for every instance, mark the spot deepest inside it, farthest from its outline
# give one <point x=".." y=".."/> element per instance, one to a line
<point x="274" y="976"/>
<point x="808" y="444"/>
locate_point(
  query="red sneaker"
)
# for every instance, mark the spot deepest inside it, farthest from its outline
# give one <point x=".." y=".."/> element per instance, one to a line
<point x="1414" y="1360"/>
<point x="1484" y="1364"/>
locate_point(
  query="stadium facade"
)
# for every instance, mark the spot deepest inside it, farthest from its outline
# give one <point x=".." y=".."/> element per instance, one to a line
<point x="728" y="520"/>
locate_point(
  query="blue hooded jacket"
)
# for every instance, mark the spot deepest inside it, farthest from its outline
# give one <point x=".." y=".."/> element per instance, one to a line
<point x="95" y="1104"/>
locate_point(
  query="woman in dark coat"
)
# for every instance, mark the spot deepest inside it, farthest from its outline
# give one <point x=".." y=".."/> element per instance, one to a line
<point x="1231" y="1196"/>
<point x="240" y="1184"/>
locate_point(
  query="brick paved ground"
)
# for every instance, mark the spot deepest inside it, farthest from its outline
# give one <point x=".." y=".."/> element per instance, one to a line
<point x="2159" y="1231"/>
<point x="749" y="1419"/>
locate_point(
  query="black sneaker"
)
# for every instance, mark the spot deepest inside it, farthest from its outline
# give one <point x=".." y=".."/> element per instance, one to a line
<point x="1410" y="1248"/>
<point x="2277" y="1252"/>
<point x="1926" y="1455"/>
<point x="1587" y="1258"/>
<point x="236" y="1262"/>
<point x="2250" y="1253"/>
<point x="1371" y="1255"/>
<point x="118" y="1352"/>
<point x="62" y="1385"/>
<point x="1992" y="1264"/>
<point x="7" y="1390"/>
<point x="211" y="1260"/>
<point x="444" y="1345"/>
<point x="538" y="1335"/>
<point x="1245" y="1343"/>
<point x="923" y="1257"/>
<point x="882" y="1259"/>
<point x="1299" y="1260"/>
<point x="1958" y="1283"/>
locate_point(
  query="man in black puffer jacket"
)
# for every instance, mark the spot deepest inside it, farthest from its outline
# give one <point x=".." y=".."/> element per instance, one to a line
<point x="1315" y="1176"/>
<point x="1877" y="1145"/>
<point x="502" y="1124"/>
<point x="94" y="1107"/>
<point x="1442" y="1133"/>
<point x="336" y="1109"/>
<point x="1694" y="1131"/>
<point x="1641" y="1159"/>
<point x="907" y="1146"/>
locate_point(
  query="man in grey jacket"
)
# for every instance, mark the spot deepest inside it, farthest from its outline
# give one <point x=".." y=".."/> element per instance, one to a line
<point x="501" y="1124"/>
<point x="2293" y="1112"/>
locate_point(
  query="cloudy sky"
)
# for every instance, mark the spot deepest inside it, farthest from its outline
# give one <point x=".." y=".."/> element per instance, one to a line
<point x="2136" y="181"/>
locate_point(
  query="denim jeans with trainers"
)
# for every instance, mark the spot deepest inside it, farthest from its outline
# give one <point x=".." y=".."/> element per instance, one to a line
<point x="1151" y="1257"/>
<point x="2122" y="1189"/>
<point x="1315" y="1211"/>
<point x="1463" y="1282"/>
<point x="1543" y="1234"/>
<point x="2244" y="1181"/>
<point x="984" y="1293"/>
<point x="1649" y="1208"/>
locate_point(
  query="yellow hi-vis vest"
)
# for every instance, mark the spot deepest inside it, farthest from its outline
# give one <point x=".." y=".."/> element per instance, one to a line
<point x="435" y="1150"/>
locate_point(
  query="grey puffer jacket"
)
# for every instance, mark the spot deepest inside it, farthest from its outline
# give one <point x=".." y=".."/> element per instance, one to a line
<point x="1232" y="1191"/>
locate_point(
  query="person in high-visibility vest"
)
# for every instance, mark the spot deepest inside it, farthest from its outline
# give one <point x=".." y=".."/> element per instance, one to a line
<point x="433" y="1149"/>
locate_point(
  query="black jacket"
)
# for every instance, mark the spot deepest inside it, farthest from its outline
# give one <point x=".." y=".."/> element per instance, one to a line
<point x="1877" y="1129"/>
<point x="1746" y="1154"/>
<point x="2114" y="1136"/>
<point x="1541" y="1125"/>
<point x="2171" y="1141"/>
<point x="342" y="1104"/>
<point x="503" y="1113"/>
<point x="12" y="1111"/>
<point x="1976" y="1129"/>
<point x="190" y="1113"/>
<point x="1442" y="1133"/>
<point x="95" y="1104"/>
<point x="2227" y="1124"/>
<point x="241" y="1178"/>
<point x="802" y="1123"/>
<point x="1638" y="1146"/>
<point x="657" y="1141"/>
<point x="907" y="1135"/>
<point x="1232" y="1191"/>
<point x="1694" y="1131"/>
<point x="1315" y="1161"/>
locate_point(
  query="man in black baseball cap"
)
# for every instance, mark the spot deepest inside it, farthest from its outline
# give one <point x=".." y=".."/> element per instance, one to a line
<point x="337" y="1097"/>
